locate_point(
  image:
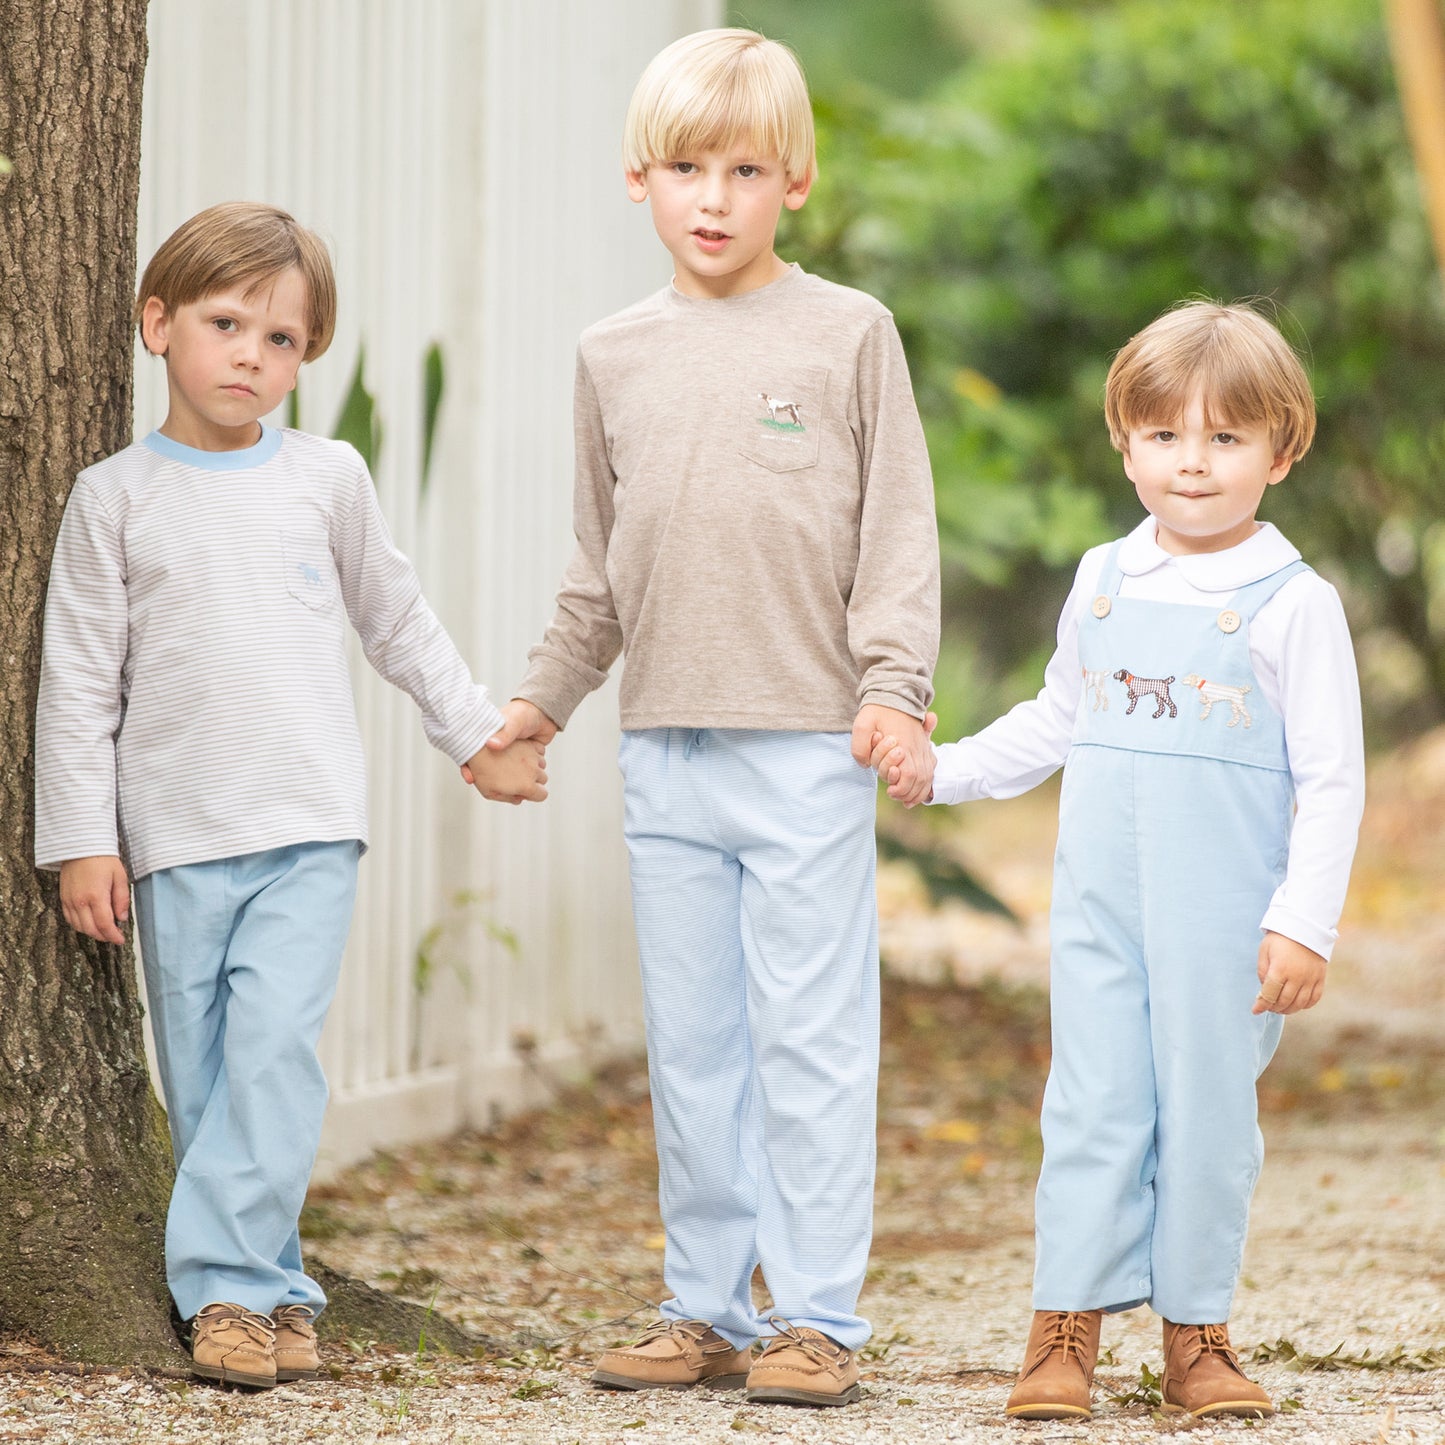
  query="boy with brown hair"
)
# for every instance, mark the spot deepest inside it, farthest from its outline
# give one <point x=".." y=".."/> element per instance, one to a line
<point x="196" y="734"/>
<point x="1204" y="706"/>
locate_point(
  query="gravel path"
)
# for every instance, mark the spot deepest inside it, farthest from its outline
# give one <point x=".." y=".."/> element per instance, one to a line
<point x="544" y="1236"/>
<point x="1344" y="1252"/>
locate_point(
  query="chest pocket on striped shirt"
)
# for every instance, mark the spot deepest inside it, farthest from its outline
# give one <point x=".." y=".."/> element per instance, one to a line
<point x="310" y="575"/>
<point x="780" y="420"/>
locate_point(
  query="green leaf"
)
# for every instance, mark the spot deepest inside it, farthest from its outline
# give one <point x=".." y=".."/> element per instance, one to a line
<point x="358" y="422"/>
<point x="433" y="385"/>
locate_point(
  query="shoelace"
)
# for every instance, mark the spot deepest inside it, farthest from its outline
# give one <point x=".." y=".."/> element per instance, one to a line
<point x="820" y="1351"/>
<point x="694" y="1330"/>
<point x="296" y="1317"/>
<point x="1213" y="1340"/>
<point x="1067" y="1332"/>
<point x="257" y="1327"/>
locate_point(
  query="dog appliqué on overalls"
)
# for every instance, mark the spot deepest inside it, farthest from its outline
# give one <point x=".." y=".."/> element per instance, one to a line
<point x="1094" y="687"/>
<point x="1213" y="692"/>
<point x="1155" y="687"/>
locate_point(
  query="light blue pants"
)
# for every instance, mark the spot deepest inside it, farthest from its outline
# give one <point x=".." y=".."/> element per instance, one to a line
<point x="1165" y="866"/>
<point x="241" y="958"/>
<point x="752" y="882"/>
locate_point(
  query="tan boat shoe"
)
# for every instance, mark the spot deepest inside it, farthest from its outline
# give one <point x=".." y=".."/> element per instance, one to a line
<point x="802" y="1366"/>
<point x="673" y="1355"/>
<point x="295" y="1347"/>
<point x="1057" y="1377"/>
<point x="1203" y="1376"/>
<point x="233" y="1345"/>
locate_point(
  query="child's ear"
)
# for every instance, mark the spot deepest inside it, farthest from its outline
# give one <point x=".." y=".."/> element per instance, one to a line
<point x="636" y="184"/>
<point x="155" y="326"/>
<point x="1280" y="470"/>
<point x="797" y="193"/>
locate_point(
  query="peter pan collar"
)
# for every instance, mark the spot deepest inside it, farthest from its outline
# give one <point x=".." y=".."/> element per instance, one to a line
<point x="1259" y="556"/>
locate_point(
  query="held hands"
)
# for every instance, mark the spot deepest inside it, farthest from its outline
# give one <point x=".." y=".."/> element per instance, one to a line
<point x="500" y="771"/>
<point x="1291" y="976"/>
<point x="885" y="736"/>
<point x="95" y="897"/>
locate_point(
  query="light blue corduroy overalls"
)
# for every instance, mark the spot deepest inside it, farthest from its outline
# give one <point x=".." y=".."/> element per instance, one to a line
<point x="1174" y="832"/>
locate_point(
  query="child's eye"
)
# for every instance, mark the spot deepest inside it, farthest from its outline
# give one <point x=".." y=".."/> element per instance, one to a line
<point x="748" y="172"/>
<point x="1163" y="436"/>
<point x="224" y="323"/>
<point x="1227" y="437"/>
<point x="280" y="338"/>
<point x="682" y="168"/>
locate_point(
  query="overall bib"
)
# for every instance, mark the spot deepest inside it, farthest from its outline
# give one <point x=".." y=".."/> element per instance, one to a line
<point x="1174" y="828"/>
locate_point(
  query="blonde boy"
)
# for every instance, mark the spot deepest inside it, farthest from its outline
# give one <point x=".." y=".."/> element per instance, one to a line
<point x="196" y="733"/>
<point x="754" y="518"/>
<point x="1204" y="706"/>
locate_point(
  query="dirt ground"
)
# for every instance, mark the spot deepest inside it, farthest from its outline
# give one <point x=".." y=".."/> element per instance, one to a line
<point x="543" y="1237"/>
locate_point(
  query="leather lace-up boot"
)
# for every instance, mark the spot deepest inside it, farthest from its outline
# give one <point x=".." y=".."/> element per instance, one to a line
<point x="1058" y="1370"/>
<point x="1203" y="1376"/>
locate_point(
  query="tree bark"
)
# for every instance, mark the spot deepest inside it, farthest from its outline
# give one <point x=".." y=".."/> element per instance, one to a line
<point x="86" y="1165"/>
<point x="1417" y="40"/>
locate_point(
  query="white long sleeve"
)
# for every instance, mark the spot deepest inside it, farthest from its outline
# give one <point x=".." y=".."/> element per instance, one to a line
<point x="195" y="701"/>
<point x="1299" y="646"/>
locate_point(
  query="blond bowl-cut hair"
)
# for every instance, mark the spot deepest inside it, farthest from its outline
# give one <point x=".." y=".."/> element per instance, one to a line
<point x="716" y="89"/>
<point x="246" y="244"/>
<point x="1244" y="371"/>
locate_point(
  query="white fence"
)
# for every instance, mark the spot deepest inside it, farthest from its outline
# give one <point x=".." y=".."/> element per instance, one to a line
<point x="461" y="157"/>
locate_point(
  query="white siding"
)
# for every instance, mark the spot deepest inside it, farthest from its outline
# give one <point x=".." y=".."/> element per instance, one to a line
<point x="461" y="158"/>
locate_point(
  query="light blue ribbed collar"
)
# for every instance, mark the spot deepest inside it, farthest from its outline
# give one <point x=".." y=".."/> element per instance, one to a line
<point x="240" y="461"/>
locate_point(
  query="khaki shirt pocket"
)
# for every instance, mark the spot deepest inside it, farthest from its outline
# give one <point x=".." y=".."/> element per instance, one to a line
<point x="780" y="419"/>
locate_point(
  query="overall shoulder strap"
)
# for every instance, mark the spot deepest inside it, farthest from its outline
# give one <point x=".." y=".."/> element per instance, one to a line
<point x="1110" y="577"/>
<point x="1251" y="597"/>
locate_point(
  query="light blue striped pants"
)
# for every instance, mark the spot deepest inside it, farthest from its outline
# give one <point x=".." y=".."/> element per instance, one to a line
<point x="241" y="957"/>
<point x="752" y="881"/>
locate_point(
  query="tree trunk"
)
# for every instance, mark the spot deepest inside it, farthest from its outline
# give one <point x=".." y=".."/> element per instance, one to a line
<point x="1417" y="39"/>
<point x="86" y="1164"/>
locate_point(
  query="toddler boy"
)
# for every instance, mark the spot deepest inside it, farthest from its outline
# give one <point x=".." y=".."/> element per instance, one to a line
<point x="1204" y="706"/>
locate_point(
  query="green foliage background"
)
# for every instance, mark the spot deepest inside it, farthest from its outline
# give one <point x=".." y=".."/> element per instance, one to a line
<point x="1042" y="181"/>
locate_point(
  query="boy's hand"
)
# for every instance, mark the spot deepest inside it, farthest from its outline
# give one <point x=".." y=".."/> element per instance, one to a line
<point x="909" y="738"/>
<point x="1291" y="976"/>
<point x="892" y="763"/>
<point x="95" y="896"/>
<point x="515" y="774"/>
<point x="519" y="720"/>
<point x="522" y="719"/>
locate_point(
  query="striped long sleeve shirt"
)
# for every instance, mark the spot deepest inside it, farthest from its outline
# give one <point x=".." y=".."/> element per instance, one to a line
<point x="195" y="701"/>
